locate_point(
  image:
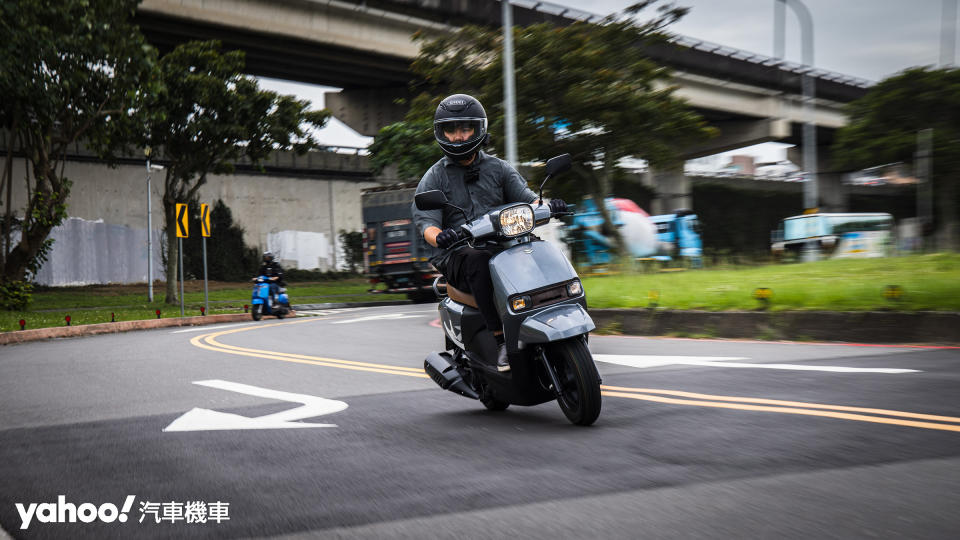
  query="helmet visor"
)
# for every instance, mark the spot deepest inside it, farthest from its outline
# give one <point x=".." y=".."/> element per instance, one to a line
<point x="460" y="132"/>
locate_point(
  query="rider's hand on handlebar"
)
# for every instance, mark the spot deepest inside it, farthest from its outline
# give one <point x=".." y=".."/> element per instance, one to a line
<point x="557" y="207"/>
<point x="446" y="238"/>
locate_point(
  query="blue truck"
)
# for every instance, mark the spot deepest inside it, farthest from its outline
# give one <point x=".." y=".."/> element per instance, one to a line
<point x="666" y="237"/>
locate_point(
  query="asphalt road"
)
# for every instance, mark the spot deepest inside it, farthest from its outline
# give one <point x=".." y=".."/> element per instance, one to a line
<point x="697" y="438"/>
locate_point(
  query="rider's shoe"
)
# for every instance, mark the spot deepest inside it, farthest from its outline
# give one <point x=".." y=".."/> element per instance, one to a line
<point x="502" y="363"/>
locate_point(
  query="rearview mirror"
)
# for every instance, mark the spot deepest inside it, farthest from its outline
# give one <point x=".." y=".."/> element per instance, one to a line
<point x="430" y="200"/>
<point x="558" y="164"/>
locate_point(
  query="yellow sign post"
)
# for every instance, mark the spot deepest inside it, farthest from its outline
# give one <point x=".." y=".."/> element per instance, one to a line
<point x="205" y="232"/>
<point x="205" y="220"/>
<point x="182" y="225"/>
<point x="182" y="232"/>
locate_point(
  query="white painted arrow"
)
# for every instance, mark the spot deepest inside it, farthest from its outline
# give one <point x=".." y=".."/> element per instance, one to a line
<point x="646" y="361"/>
<point x="209" y="420"/>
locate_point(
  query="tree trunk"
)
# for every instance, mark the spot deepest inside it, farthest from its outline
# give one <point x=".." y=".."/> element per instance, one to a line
<point x="608" y="228"/>
<point x="949" y="235"/>
<point x="45" y="210"/>
<point x="170" y="220"/>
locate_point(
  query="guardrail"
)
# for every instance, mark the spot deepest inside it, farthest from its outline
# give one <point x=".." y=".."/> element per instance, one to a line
<point x="341" y="159"/>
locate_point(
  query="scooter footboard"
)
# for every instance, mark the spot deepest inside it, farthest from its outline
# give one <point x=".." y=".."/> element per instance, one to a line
<point x="556" y="323"/>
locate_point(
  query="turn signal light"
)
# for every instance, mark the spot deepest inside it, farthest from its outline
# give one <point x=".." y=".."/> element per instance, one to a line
<point x="520" y="303"/>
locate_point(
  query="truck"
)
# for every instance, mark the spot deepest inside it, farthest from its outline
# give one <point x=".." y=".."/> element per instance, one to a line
<point x="663" y="238"/>
<point x="678" y="235"/>
<point x="394" y="252"/>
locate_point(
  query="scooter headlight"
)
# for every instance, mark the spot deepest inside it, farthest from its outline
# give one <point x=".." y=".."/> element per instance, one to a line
<point x="516" y="220"/>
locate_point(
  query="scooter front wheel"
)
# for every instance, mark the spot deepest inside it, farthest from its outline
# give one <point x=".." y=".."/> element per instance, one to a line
<point x="579" y="380"/>
<point x="256" y="311"/>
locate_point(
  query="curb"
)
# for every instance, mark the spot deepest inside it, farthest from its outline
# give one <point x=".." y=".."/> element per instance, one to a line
<point x="22" y="336"/>
<point x="880" y="327"/>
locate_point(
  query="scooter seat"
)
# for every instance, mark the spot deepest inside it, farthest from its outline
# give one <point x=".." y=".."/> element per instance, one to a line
<point x="459" y="296"/>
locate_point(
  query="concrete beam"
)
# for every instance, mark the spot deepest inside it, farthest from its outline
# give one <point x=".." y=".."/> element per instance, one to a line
<point x="739" y="133"/>
<point x="367" y="110"/>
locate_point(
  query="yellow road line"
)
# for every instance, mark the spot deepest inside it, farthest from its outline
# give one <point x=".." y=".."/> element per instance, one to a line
<point x="886" y="412"/>
<point x="209" y="342"/>
<point x="786" y="410"/>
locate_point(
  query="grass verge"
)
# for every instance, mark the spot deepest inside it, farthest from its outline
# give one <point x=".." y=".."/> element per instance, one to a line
<point x="926" y="282"/>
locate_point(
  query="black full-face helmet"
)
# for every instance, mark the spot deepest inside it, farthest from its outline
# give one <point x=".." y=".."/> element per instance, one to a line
<point x="460" y="126"/>
<point x="267" y="257"/>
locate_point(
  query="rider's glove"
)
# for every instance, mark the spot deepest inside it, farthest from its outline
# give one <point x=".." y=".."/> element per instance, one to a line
<point x="557" y="206"/>
<point x="446" y="238"/>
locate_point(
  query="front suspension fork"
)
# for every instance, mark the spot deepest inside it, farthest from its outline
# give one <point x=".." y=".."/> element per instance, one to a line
<point x="557" y="391"/>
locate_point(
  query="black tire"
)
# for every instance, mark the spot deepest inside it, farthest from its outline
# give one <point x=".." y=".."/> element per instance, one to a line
<point x="256" y="311"/>
<point x="579" y="379"/>
<point x="281" y="312"/>
<point x="493" y="404"/>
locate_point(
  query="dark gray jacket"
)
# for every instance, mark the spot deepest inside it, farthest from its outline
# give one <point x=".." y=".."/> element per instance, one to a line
<point x="487" y="183"/>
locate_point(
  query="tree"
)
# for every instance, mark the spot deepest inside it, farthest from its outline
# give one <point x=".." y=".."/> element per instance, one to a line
<point x="206" y="116"/>
<point x="228" y="257"/>
<point x="587" y="89"/>
<point x="883" y="128"/>
<point x="69" y="71"/>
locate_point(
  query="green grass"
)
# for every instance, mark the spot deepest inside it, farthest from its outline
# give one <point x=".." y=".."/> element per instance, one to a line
<point x="95" y="304"/>
<point x="928" y="282"/>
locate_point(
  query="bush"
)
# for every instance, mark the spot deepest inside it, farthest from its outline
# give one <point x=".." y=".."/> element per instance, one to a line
<point x="296" y="274"/>
<point x="15" y="295"/>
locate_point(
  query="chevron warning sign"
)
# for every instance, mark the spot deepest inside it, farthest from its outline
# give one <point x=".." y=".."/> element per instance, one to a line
<point x="205" y="220"/>
<point x="182" y="231"/>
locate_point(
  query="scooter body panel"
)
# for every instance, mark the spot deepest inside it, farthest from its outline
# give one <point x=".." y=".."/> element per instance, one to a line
<point x="555" y="323"/>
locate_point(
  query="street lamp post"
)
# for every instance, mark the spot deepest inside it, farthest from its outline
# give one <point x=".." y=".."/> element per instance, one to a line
<point x="509" y="89"/>
<point x="150" y="168"/>
<point x="811" y="195"/>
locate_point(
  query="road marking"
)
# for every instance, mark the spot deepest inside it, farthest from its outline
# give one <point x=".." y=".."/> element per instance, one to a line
<point x="209" y="420"/>
<point x="209" y="342"/>
<point x="789" y="407"/>
<point x="387" y="316"/>
<point x="646" y="361"/>
<point x="202" y="328"/>
<point x="324" y="312"/>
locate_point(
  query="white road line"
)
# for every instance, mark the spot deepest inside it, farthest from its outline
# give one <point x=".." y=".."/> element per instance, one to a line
<point x="210" y="327"/>
<point x="646" y="361"/>
<point x="388" y="316"/>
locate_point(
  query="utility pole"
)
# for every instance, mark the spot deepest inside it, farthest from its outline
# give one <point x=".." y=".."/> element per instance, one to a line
<point x="509" y="90"/>
<point x="948" y="33"/>
<point x="811" y="195"/>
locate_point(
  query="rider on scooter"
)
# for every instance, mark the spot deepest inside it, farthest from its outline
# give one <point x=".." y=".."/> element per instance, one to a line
<point x="274" y="272"/>
<point x="476" y="182"/>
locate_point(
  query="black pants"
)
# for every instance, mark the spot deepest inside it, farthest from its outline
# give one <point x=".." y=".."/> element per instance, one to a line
<point x="468" y="269"/>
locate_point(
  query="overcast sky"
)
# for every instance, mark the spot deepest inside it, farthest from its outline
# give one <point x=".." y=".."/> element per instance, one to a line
<point x="870" y="39"/>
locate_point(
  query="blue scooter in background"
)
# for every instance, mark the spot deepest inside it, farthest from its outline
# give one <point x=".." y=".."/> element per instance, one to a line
<point x="263" y="303"/>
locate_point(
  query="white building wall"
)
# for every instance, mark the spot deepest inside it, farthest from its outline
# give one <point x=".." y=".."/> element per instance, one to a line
<point x="105" y="239"/>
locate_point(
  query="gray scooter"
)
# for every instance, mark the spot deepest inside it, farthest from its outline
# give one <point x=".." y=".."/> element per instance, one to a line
<point x="543" y="308"/>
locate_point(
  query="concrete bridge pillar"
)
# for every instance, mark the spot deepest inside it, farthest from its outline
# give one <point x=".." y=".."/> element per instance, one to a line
<point x="833" y="194"/>
<point x="672" y="188"/>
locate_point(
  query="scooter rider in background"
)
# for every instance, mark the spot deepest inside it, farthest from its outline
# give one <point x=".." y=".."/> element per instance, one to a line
<point x="476" y="182"/>
<point x="273" y="271"/>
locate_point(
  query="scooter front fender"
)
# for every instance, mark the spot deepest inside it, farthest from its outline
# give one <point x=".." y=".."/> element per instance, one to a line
<point x="556" y="323"/>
